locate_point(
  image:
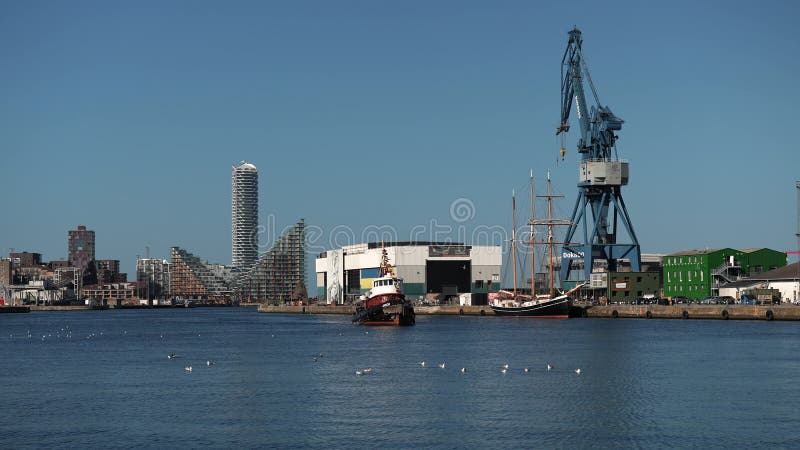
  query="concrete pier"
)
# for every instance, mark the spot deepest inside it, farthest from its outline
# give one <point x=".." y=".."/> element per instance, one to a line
<point x="715" y="312"/>
<point x="449" y="310"/>
<point x="14" y="309"/>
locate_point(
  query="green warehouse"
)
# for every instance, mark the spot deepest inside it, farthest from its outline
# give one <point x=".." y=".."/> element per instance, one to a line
<point x="700" y="273"/>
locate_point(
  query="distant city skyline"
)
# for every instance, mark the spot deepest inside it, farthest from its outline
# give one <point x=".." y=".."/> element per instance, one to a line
<point x="364" y="115"/>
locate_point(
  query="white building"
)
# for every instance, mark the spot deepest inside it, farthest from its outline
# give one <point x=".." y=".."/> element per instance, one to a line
<point x="430" y="271"/>
<point x="786" y="279"/>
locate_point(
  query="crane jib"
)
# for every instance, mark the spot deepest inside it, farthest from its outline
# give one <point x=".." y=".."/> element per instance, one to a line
<point x="577" y="107"/>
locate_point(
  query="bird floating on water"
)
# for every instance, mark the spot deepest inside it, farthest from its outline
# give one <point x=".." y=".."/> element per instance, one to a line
<point x="549" y="367"/>
<point x="463" y="370"/>
<point x="188" y="368"/>
<point x="578" y="371"/>
<point x="441" y="365"/>
<point x="358" y="372"/>
<point x="422" y="363"/>
<point x="503" y="370"/>
<point x="211" y="363"/>
<point x="505" y="366"/>
<point x="527" y="370"/>
<point x="172" y="356"/>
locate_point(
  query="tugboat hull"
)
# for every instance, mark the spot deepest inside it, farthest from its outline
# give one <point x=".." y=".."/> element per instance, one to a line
<point x="392" y="315"/>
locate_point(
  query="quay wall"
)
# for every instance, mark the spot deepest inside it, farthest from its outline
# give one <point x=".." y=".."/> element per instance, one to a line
<point x="714" y="312"/>
<point x="65" y="307"/>
<point x="346" y="309"/>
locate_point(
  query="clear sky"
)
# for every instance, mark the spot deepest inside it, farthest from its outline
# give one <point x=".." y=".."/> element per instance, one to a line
<point x="127" y="117"/>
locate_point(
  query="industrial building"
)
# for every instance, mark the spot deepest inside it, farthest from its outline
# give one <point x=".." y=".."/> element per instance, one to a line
<point x="701" y="273"/>
<point x="430" y="270"/>
<point x="111" y="294"/>
<point x="783" y="281"/>
<point x="278" y="272"/>
<point x="244" y="216"/>
<point x="623" y="287"/>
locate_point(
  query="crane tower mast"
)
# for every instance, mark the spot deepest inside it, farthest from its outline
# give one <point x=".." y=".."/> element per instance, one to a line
<point x="601" y="175"/>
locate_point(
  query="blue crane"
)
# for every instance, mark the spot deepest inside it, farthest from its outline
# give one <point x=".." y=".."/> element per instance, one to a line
<point x="601" y="174"/>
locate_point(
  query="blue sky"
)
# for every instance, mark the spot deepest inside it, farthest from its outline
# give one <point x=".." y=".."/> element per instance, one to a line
<point x="127" y="116"/>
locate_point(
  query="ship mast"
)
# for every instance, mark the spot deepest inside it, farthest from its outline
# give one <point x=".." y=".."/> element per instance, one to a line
<point x="550" y="222"/>
<point x="386" y="268"/>
<point x="514" y="237"/>
<point x="533" y="240"/>
<point x="550" y="230"/>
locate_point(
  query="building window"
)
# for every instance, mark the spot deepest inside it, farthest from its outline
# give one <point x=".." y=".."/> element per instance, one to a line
<point x="701" y="276"/>
<point x="689" y="274"/>
<point x="478" y="284"/>
<point x="638" y="279"/>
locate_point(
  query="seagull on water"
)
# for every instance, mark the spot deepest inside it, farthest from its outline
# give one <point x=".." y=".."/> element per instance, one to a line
<point x="527" y="370"/>
<point x="367" y="370"/>
<point x="549" y="367"/>
<point x="359" y="373"/>
<point x="505" y="366"/>
<point x="578" y="371"/>
<point x="188" y="368"/>
<point x="441" y="365"/>
<point x="422" y="363"/>
<point x="503" y="370"/>
<point x="463" y="370"/>
<point x="172" y="356"/>
<point x="211" y="363"/>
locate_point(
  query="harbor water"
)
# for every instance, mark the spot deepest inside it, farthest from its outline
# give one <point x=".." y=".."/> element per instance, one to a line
<point x="103" y="379"/>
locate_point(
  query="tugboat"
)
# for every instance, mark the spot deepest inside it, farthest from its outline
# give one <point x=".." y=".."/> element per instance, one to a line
<point x="549" y="305"/>
<point x="385" y="303"/>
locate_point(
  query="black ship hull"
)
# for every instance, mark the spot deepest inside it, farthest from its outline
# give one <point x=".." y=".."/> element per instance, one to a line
<point x="555" y="309"/>
<point x="400" y="314"/>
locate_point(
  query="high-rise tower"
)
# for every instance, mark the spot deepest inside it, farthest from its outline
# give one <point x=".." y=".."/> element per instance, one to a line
<point x="81" y="247"/>
<point x="244" y="215"/>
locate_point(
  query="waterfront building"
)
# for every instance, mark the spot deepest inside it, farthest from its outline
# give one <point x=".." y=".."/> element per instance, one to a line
<point x="244" y="216"/>
<point x="108" y="271"/>
<point x="154" y="278"/>
<point x="37" y="292"/>
<point x="701" y="273"/>
<point x="111" y="294"/>
<point x="195" y="279"/>
<point x="430" y="270"/>
<point x="783" y="281"/>
<point x="58" y="264"/>
<point x="5" y="272"/>
<point x="81" y="253"/>
<point x="623" y="287"/>
<point x="278" y="271"/>
<point x="25" y="259"/>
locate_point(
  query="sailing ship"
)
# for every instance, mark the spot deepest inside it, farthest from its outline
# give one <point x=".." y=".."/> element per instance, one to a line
<point x="385" y="303"/>
<point x="550" y="305"/>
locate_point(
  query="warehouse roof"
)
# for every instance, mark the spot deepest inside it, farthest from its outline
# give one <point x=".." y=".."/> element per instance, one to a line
<point x="789" y="272"/>
<point x="695" y="252"/>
